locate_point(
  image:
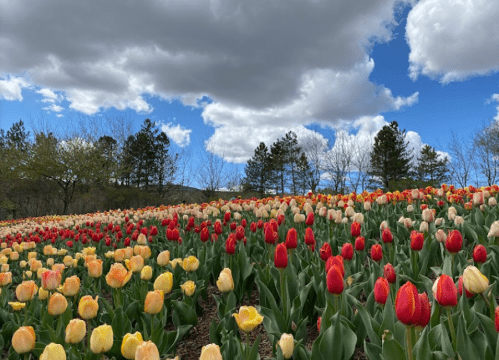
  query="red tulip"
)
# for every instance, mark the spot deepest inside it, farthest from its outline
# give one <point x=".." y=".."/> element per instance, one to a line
<point x="292" y="239"/>
<point x="454" y="242"/>
<point x="497" y="319"/>
<point x="309" y="236"/>
<point x="335" y="260"/>
<point x="387" y="236"/>
<point x="360" y="243"/>
<point x="227" y="216"/>
<point x="325" y="252"/>
<point x="334" y="280"/>
<point x="389" y="273"/>
<point x="230" y="245"/>
<point x="480" y="253"/>
<point x="347" y="251"/>
<point x="381" y="290"/>
<point x="446" y="292"/>
<point x="310" y="219"/>
<point x="270" y="235"/>
<point x="319" y="320"/>
<point x="240" y="232"/>
<point x="355" y="229"/>
<point x="376" y="252"/>
<point x="217" y="227"/>
<point x="259" y="224"/>
<point x="407" y="304"/>
<point x="424" y="319"/>
<point x="281" y="256"/>
<point x="204" y="235"/>
<point x="460" y="288"/>
<point x="253" y="227"/>
<point x="417" y="240"/>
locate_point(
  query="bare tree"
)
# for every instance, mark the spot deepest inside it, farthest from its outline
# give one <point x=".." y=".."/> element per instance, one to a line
<point x="361" y="164"/>
<point x="211" y="172"/>
<point x="337" y="162"/>
<point x="315" y="146"/>
<point x="462" y="162"/>
<point x="487" y="150"/>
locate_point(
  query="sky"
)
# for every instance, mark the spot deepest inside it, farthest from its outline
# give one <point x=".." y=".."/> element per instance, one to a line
<point x="221" y="76"/>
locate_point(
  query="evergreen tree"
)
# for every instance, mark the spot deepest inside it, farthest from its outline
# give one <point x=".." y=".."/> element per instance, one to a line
<point x="305" y="175"/>
<point x="277" y="168"/>
<point x="292" y="153"/>
<point x="257" y="170"/>
<point x="390" y="159"/>
<point x="430" y="169"/>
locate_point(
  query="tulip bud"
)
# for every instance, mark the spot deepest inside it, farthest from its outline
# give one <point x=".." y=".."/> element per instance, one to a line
<point x="88" y="307"/>
<point x="210" y="352"/>
<point x="248" y="318"/>
<point x="24" y="339"/>
<point x="454" y="241"/>
<point x="355" y="229"/>
<point x="424" y="319"/>
<point x="292" y="239"/>
<point x="417" y="240"/>
<point x="225" y="282"/>
<point x="440" y="235"/>
<point x="57" y="304"/>
<point x="5" y="278"/>
<point x="407" y="304"/>
<point x="387" y="236"/>
<point x="191" y="263"/>
<point x="360" y="243"/>
<point x="445" y="291"/>
<point x="26" y="291"/>
<point x="147" y="350"/>
<point x="389" y="273"/>
<point x="53" y="352"/>
<point x="347" y="251"/>
<point x="101" y="339"/>
<point x="71" y="286"/>
<point x="51" y="279"/>
<point x="154" y="302"/>
<point x="163" y="258"/>
<point x="164" y="282"/>
<point x="95" y="268"/>
<point x="496" y="322"/>
<point x="146" y="273"/>
<point x="130" y="343"/>
<point x="474" y="281"/>
<point x="281" y="256"/>
<point x="376" y="252"/>
<point x="287" y="345"/>
<point x="480" y="253"/>
<point x="118" y="276"/>
<point x="381" y="290"/>
<point x="75" y="331"/>
<point x="188" y="287"/>
<point x="494" y="229"/>
<point x="334" y="280"/>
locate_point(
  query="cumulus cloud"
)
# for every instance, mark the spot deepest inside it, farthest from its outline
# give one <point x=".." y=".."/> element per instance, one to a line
<point x="495" y="97"/>
<point x="11" y="88"/>
<point x="179" y="135"/>
<point x="446" y="36"/>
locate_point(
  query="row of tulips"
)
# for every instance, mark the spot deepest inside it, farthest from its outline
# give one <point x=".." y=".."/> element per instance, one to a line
<point x="362" y="265"/>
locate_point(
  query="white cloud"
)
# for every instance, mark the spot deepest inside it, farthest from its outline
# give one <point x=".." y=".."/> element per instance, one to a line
<point x="48" y="95"/>
<point x="54" y="108"/>
<point x="495" y="97"/>
<point x="177" y="133"/>
<point x="241" y="54"/>
<point x="11" y="88"/>
<point x="453" y="39"/>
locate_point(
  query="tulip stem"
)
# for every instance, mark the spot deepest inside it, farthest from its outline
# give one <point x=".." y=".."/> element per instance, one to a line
<point x="336" y="306"/>
<point x="283" y="295"/>
<point x="485" y="299"/>
<point x="451" y="327"/>
<point x="152" y="326"/>
<point x="408" y="339"/>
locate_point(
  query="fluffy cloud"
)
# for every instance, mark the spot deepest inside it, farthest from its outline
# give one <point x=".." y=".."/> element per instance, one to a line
<point x="177" y="133"/>
<point x="250" y="54"/>
<point x="11" y="88"/>
<point x="446" y="36"/>
<point x="495" y="98"/>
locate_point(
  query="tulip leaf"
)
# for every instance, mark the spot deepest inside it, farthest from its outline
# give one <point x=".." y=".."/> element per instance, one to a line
<point x="479" y="340"/>
<point x="470" y="233"/>
<point x="281" y="323"/>
<point x="121" y="324"/>
<point x="465" y="347"/>
<point x="373" y="351"/>
<point x="107" y="306"/>
<point x="253" y="355"/>
<point x="388" y="316"/>
<point x="422" y="349"/>
<point x="392" y="350"/>
<point x="447" y="268"/>
<point x="183" y="314"/>
<point x="366" y="319"/>
<point x="479" y="219"/>
<point x="488" y="329"/>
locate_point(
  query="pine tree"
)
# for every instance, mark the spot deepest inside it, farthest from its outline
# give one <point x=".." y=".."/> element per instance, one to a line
<point x="257" y="170"/>
<point x="277" y="168"/>
<point x="305" y="175"/>
<point x="291" y="157"/>
<point x="390" y="159"/>
<point x="431" y="170"/>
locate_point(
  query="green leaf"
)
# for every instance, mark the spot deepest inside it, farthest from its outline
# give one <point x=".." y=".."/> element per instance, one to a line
<point x="373" y="351"/>
<point x="465" y="347"/>
<point x="366" y="319"/>
<point x="489" y="329"/>
<point x="184" y="313"/>
<point x="121" y="324"/>
<point x="422" y="349"/>
<point x="392" y="350"/>
<point x="447" y="268"/>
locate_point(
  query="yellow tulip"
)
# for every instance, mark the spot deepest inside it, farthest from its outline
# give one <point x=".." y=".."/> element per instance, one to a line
<point x="26" y="291"/>
<point x="16" y="306"/>
<point x="101" y="339"/>
<point x="129" y="345"/>
<point x="147" y="351"/>
<point x="474" y="281"/>
<point x="118" y="276"/>
<point x="95" y="268"/>
<point x="71" y="286"/>
<point x="164" y="282"/>
<point x="142" y="250"/>
<point x="190" y="263"/>
<point x="188" y="287"/>
<point x="154" y="302"/>
<point x="119" y="255"/>
<point x="5" y="278"/>
<point x="146" y="273"/>
<point x="75" y="331"/>
<point x="88" y="251"/>
<point x="225" y="282"/>
<point x="23" y="264"/>
<point x="174" y="263"/>
<point x="57" y="304"/>
<point x="24" y="339"/>
<point x="136" y="263"/>
<point x="88" y="307"/>
<point x="248" y="318"/>
<point x="35" y="265"/>
<point x="210" y="352"/>
<point x="287" y="345"/>
<point x="14" y="256"/>
<point x="68" y="260"/>
<point x="53" y="352"/>
<point x="163" y="258"/>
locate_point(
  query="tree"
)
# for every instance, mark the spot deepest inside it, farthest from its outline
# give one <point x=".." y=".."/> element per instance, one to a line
<point x="292" y="153"/>
<point x="315" y="147"/>
<point x="361" y="164"/>
<point x="306" y="175"/>
<point x="211" y="173"/>
<point x="277" y="168"/>
<point x="337" y="162"/>
<point x="462" y="162"/>
<point x="257" y="170"/>
<point x="431" y="170"/>
<point x="390" y="159"/>
<point x="486" y="143"/>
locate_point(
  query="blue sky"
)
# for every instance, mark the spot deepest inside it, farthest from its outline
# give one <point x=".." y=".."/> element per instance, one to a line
<point x="223" y="75"/>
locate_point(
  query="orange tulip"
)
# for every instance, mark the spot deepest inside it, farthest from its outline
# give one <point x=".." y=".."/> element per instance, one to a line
<point x="24" y="339"/>
<point x="95" y="268"/>
<point x="88" y="307"/>
<point x="26" y="291"/>
<point x="118" y="276"/>
<point x="51" y="279"/>
<point x="57" y="304"/>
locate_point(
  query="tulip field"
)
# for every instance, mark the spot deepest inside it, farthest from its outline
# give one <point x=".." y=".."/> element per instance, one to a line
<point x="402" y="275"/>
